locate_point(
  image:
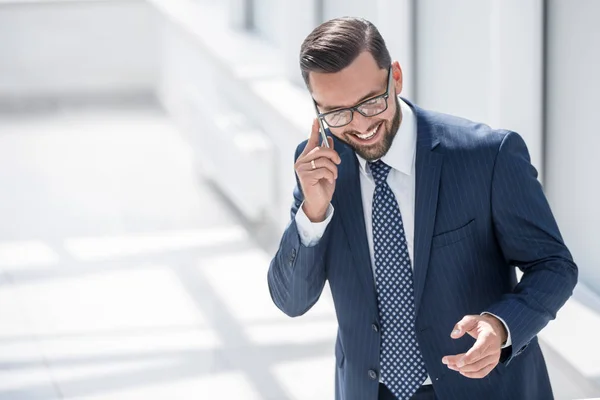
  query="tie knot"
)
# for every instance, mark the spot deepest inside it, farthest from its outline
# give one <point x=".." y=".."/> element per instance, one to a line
<point x="380" y="171"/>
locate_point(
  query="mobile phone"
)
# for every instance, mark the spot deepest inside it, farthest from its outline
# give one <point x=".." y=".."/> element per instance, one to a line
<point x="324" y="141"/>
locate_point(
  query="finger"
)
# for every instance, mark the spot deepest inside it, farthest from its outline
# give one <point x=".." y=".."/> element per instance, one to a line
<point x="316" y="175"/>
<point x="317" y="152"/>
<point x="480" y="349"/>
<point x="313" y="139"/>
<point x="453" y="360"/>
<point x="453" y="367"/>
<point x="320" y="163"/>
<point x="468" y="323"/>
<point x="321" y="152"/>
<point x="330" y="141"/>
<point x="481" y="364"/>
<point x="459" y="361"/>
<point x="481" y="373"/>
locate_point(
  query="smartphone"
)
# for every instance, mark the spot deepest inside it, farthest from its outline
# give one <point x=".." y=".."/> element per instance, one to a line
<point x="324" y="141"/>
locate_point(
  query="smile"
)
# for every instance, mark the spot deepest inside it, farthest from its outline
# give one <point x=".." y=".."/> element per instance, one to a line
<point x="369" y="135"/>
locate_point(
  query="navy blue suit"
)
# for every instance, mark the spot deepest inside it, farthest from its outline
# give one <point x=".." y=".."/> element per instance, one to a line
<point x="479" y="213"/>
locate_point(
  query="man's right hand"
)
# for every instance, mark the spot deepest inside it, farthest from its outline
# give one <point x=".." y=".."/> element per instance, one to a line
<point x="317" y="172"/>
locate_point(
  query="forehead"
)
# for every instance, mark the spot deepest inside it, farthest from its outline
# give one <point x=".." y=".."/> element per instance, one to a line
<point x="348" y="86"/>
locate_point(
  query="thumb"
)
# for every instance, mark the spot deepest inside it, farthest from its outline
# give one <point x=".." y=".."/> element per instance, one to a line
<point x="465" y="325"/>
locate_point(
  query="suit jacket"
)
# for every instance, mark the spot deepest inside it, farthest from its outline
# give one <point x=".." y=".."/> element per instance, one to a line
<point x="479" y="213"/>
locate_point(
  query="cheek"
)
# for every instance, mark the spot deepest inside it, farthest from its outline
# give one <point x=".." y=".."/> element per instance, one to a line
<point x="338" y="132"/>
<point x="388" y="115"/>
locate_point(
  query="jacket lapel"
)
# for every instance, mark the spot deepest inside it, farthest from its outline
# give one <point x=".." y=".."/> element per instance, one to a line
<point x="428" y="168"/>
<point x="349" y="205"/>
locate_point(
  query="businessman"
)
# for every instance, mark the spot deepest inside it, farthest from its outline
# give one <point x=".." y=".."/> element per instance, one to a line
<point x="417" y="220"/>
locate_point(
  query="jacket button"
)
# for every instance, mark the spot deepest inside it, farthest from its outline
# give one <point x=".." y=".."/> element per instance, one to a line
<point x="375" y="328"/>
<point x="372" y="374"/>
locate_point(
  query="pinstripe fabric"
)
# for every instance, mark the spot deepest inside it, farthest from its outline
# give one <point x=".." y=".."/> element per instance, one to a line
<point x="479" y="213"/>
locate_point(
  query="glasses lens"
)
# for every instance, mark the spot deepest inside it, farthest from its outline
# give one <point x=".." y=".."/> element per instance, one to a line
<point x="338" y="118"/>
<point x="373" y="107"/>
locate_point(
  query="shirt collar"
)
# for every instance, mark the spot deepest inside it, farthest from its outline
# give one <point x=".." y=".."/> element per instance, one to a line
<point x="401" y="154"/>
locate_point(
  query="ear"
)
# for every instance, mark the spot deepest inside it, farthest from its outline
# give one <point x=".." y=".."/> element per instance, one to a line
<point x="397" y="76"/>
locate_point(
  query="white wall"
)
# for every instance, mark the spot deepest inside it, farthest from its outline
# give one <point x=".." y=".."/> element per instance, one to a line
<point x="354" y="8"/>
<point x="482" y="60"/>
<point x="77" y="47"/>
<point x="453" y="62"/>
<point x="573" y="138"/>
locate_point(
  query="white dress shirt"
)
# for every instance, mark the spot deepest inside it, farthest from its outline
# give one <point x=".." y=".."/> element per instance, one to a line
<point x="401" y="179"/>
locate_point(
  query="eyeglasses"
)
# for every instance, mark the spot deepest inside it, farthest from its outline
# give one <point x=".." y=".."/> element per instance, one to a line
<point x="368" y="108"/>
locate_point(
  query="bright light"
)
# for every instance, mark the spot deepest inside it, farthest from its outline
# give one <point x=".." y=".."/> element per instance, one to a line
<point x="100" y="248"/>
<point x="27" y="254"/>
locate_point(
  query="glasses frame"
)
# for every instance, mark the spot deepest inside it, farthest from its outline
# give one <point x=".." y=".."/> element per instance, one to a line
<point x="356" y="108"/>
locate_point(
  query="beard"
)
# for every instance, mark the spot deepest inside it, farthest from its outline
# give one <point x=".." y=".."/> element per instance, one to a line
<point x="376" y="151"/>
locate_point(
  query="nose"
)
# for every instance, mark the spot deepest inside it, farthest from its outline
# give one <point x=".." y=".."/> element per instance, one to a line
<point x="361" y="123"/>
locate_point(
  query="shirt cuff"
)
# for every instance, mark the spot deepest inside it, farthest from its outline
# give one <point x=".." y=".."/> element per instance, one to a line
<point x="508" y="339"/>
<point x="311" y="232"/>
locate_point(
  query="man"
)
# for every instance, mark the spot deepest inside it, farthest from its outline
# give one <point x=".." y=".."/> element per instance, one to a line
<point x="417" y="220"/>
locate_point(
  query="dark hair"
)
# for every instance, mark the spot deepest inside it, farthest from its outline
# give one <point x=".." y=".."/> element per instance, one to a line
<point x="335" y="44"/>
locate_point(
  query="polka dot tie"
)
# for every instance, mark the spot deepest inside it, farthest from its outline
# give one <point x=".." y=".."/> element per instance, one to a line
<point x="402" y="367"/>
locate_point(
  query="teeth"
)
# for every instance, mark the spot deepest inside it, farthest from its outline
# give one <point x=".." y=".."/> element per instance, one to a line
<point x="368" y="136"/>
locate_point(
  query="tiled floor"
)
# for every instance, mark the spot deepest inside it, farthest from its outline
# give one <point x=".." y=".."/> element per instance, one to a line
<point x="123" y="275"/>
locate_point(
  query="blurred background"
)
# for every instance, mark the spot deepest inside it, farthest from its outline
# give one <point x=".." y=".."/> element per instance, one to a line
<point x="146" y="172"/>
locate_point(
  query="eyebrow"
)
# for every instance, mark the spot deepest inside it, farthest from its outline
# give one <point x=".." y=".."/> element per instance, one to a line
<point x="372" y="93"/>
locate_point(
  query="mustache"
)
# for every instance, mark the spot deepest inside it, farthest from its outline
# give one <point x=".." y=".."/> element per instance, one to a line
<point x="353" y="132"/>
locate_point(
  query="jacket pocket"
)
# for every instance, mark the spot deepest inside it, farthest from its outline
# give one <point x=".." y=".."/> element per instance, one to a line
<point x="453" y="236"/>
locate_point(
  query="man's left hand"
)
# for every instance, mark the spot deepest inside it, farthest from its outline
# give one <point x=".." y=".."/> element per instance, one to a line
<point x="483" y="357"/>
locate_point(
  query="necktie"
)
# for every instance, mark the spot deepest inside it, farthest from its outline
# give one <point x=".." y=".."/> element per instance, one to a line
<point x="402" y="367"/>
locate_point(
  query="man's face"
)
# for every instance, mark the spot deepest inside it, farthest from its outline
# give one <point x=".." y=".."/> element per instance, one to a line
<point x="370" y="137"/>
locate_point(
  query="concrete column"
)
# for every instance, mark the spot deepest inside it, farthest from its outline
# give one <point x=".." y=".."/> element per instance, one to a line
<point x="516" y="92"/>
<point x="572" y="162"/>
<point x="240" y="14"/>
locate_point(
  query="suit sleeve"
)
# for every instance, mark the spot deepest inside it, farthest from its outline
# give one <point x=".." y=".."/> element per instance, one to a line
<point x="296" y="274"/>
<point x="530" y="240"/>
<point x="311" y="232"/>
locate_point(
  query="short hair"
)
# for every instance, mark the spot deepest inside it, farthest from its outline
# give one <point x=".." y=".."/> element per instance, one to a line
<point x="335" y="44"/>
